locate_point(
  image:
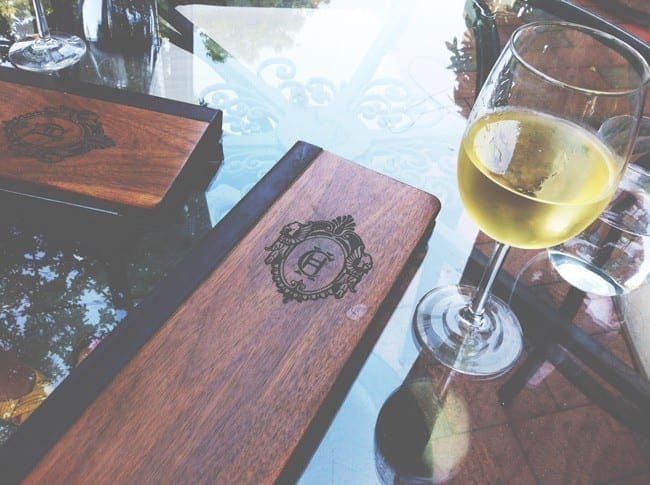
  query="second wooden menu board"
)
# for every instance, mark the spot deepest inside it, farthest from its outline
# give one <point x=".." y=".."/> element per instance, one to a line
<point x="98" y="147"/>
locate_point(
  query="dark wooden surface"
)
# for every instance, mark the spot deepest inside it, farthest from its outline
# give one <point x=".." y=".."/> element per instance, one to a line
<point x="29" y="443"/>
<point x="151" y="149"/>
<point x="227" y="388"/>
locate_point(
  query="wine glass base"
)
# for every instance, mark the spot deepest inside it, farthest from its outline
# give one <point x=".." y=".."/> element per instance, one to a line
<point x="486" y="351"/>
<point x="585" y="275"/>
<point x="57" y="52"/>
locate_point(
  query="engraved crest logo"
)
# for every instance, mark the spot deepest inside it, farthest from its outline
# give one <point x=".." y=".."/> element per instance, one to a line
<point x="55" y="133"/>
<point x="317" y="259"/>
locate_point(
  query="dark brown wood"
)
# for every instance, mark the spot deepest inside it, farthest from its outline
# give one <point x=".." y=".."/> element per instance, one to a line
<point x="226" y="389"/>
<point x="150" y="151"/>
<point x="51" y="419"/>
<point x="322" y="421"/>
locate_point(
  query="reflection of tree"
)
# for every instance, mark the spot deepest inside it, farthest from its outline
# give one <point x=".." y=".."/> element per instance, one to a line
<point x="462" y="58"/>
<point x="12" y="11"/>
<point x="55" y="293"/>
<point x="53" y="297"/>
<point x="19" y="11"/>
<point x="15" y="9"/>
<point x="463" y="63"/>
<point x="17" y="18"/>
<point x="159" y="249"/>
<point x="464" y="54"/>
<point x="215" y="51"/>
<point x="276" y="3"/>
<point x="281" y="35"/>
<point x="63" y="15"/>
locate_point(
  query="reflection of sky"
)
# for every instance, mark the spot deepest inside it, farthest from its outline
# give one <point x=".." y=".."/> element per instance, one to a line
<point x="317" y="36"/>
<point x="370" y="83"/>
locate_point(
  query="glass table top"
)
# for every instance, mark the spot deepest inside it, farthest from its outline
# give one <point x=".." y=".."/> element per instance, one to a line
<point x="387" y="84"/>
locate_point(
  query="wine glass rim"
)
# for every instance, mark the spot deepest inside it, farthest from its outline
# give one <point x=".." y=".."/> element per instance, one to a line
<point x="644" y="76"/>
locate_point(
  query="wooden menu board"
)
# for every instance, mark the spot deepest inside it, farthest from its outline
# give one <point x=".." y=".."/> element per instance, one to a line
<point x="98" y="147"/>
<point x="246" y="351"/>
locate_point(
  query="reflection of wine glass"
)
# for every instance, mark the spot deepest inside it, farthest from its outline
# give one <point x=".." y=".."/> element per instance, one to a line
<point x="533" y="171"/>
<point x="48" y="51"/>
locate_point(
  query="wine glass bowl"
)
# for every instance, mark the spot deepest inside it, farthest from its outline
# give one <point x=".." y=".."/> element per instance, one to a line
<point x="610" y="257"/>
<point x="534" y="136"/>
<point x="534" y="170"/>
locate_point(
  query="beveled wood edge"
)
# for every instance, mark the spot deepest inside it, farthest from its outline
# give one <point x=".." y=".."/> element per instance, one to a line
<point x="315" y="432"/>
<point x="37" y="435"/>
<point x="211" y="135"/>
<point x="208" y="149"/>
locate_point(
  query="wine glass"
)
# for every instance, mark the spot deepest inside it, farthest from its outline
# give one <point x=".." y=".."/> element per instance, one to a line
<point x="48" y="51"/>
<point x="611" y="256"/>
<point x="534" y="171"/>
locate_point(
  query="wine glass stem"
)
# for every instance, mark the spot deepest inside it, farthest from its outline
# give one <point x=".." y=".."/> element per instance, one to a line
<point x="41" y="21"/>
<point x="474" y="311"/>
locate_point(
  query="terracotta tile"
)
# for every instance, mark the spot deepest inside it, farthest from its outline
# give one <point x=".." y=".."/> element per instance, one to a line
<point x="586" y="75"/>
<point x="532" y="400"/>
<point x="484" y="239"/>
<point x="477" y="399"/>
<point x="587" y="53"/>
<point x="615" y="342"/>
<point x="565" y="393"/>
<point x="642" y="479"/>
<point x="597" y="315"/>
<point x="636" y="29"/>
<point x="518" y="260"/>
<point x="486" y="456"/>
<point x="494" y="456"/>
<point x="465" y="85"/>
<point x="464" y="106"/>
<point x="580" y="445"/>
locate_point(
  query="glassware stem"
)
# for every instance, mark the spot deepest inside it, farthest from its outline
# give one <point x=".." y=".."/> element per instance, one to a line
<point x="474" y="311"/>
<point x="469" y="329"/>
<point x="41" y="20"/>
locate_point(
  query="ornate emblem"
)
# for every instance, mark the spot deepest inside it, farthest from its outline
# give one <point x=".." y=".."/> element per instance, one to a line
<point x="318" y="259"/>
<point x="55" y="133"/>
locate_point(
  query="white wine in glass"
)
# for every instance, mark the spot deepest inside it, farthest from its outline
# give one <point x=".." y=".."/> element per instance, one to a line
<point x="540" y="204"/>
<point x="534" y="170"/>
<point x="47" y="51"/>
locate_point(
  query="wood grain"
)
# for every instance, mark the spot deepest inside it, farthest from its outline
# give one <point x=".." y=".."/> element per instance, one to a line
<point x="228" y="386"/>
<point x="151" y="149"/>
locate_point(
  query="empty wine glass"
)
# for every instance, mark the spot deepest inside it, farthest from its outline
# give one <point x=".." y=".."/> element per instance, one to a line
<point x="534" y="171"/>
<point x="47" y="51"/>
<point x="611" y="256"/>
